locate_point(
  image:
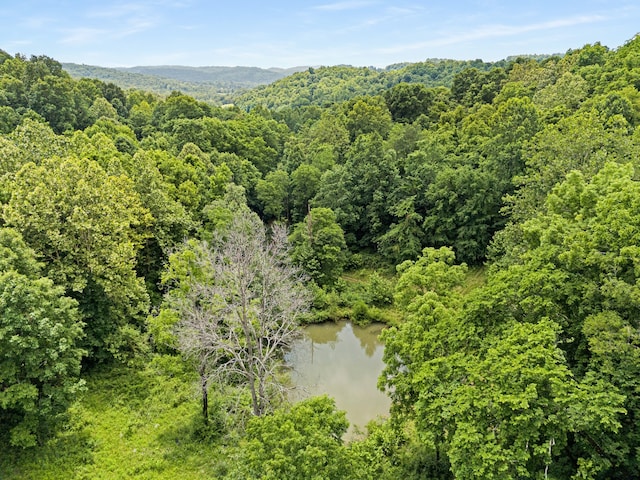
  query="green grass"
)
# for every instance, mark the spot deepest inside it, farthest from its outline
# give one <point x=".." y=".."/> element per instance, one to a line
<point x="359" y="297"/>
<point x="476" y="277"/>
<point x="129" y="424"/>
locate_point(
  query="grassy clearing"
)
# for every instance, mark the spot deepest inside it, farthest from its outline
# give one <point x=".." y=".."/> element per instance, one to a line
<point x="362" y="296"/>
<point x="476" y="277"/>
<point x="130" y="424"/>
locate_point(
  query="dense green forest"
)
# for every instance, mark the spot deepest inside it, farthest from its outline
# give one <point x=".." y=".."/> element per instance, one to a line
<point x="158" y="252"/>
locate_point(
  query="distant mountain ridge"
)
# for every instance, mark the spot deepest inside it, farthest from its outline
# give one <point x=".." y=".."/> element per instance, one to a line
<point x="244" y="76"/>
<point x="277" y="88"/>
<point x="210" y="84"/>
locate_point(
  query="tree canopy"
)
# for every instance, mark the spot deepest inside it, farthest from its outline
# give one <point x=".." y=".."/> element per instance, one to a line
<point x="489" y="212"/>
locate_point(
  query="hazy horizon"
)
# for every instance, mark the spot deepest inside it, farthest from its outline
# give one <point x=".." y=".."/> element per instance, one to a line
<point x="285" y="34"/>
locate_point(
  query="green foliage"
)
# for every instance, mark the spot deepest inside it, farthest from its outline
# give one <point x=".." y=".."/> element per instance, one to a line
<point x="305" y="181"/>
<point x="464" y="212"/>
<point x="499" y="398"/>
<point x="367" y="115"/>
<point x="319" y="246"/>
<point x="472" y="86"/>
<point x="326" y="85"/>
<point x="142" y="422"/>
<point x="303" y="442"/>
<point x="407" y="102"/>
<point x="432" y="274"/>
<point x="391" y="450"/>
<point x="518" y="404"/>
<point x="551" y="156"/>
<point x="40" y="358"/>
<point x="358" y="191"/>
<point x="379" y="290"/>
<point x="87" y="226"/>
<point x="273" y="194"/>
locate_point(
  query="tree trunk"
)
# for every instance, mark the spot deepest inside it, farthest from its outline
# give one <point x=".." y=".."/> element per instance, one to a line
<point x="205" y="397"/>
<point x="254" y="395"/>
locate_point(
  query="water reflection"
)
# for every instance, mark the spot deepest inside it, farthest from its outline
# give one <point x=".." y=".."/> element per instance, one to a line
<point x="369" y="341"/>
<point x="344" y="362"/>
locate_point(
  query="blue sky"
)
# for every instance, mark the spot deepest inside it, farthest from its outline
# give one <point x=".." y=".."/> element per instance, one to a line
<point x="316" y="32"/>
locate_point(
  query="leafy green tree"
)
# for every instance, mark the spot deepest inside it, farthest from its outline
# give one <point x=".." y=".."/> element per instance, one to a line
<point x="514" y="123"/>
<point x="12" y="91"/>
<point x="255" y="138"/>
<point x="305" y="182"/>
<point x="568" y="92"/>
<point x="407" y="102"/>
<point x="102" y="108"/>
<point x="518" y="405"/>
<point x="431" y="337"/>
<point x="185" y="177"/>
<point x="172" y="223"/>
<point x="87" y="227"/>
<point x="303" y="442"/>
<point x="319" y="246"/>
<point x="273" y="194"/>
<point x="140" y="117"/>
<point x="52" y="97"/>
<point x="9" y="119"/>
<point x="580" y="142"/>
<point x="39" y="355"/>
<point x="36" y="141"/>
<point x="359" y="191"/>
<point x="330" y="131"/>
<point x="404" y="139"/>
<point x="177" y="106"/>
<point x="463" y="208"/>
<point x="403" y="240"/>
<point x="10" y="163"/>
<point x="472" y="86"/>
<point x="613" y="345"/>
<point x="578" y="268"/>
<point x="495" y="397"/>
<point x="368" y="115"/>
<point x="244" y="174"/>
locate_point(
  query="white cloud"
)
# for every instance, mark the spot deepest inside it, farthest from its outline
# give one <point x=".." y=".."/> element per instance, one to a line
<point x="341" y="6"/>
<point x="495" y="31"/>
<point x="134" y="26"/>
<point x="125" y="9"/>
<point x="118" y="11"/>
<point x="404" y="11"/>
<point x="37" y="23"/>
<point x="81" y="36"/>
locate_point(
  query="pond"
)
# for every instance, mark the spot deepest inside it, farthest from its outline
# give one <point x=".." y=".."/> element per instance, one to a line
<point x="343" y="361"/>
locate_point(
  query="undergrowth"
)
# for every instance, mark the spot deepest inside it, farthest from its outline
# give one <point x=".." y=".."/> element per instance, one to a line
<point x="130" y="424"/>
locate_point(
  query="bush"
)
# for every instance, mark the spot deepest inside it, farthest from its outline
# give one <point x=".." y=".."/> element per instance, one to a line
<point x="379" y="290"/>
<point x="360" y="313"/>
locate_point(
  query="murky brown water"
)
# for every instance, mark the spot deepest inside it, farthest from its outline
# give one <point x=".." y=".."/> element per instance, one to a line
<point x="343" y="361"/>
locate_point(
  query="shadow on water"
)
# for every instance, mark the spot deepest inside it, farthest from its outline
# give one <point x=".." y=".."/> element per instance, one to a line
<point x="343" y="361"/>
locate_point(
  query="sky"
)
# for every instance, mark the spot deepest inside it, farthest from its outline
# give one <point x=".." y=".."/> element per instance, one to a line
<point x="287" y="33"/>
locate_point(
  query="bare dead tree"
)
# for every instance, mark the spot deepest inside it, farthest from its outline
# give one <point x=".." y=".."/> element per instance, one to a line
<point x="241" y="309"/>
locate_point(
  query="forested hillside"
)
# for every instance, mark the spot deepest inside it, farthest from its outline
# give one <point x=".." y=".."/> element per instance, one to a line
<point x="240" y="76"/>
<point x="216" y="85"/>
<point x="293" y="87"/>
<point x="327" y="85"/>
<point x="148" y="287"/>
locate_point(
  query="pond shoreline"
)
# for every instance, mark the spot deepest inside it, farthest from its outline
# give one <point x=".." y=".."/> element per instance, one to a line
<point x="344" y="361"/>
